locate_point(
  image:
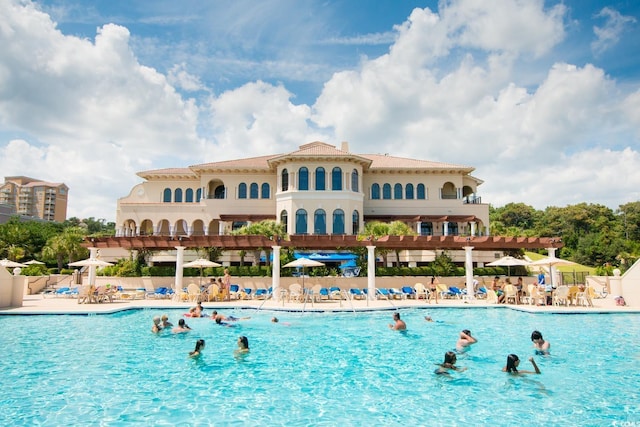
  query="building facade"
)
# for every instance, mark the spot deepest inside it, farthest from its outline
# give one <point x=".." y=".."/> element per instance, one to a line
<point x="32" y="198"/>
<point x="318" y="189"/>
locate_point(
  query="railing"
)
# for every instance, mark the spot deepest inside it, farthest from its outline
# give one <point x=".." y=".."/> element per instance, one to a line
<point x="472" y="200"/>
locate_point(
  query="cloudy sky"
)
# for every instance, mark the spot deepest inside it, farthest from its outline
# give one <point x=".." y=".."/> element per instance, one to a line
<point x="541" y="97"/>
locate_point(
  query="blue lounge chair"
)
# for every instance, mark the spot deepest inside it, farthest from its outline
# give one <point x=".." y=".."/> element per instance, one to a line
<point x="408" y="292"/>
<point x="455" y="292"/>
<point x="335" y="292"/>
<point x="395" y="293"/>
<point x="356" y="293"/>
<point x="62" y="291"/>
<point x="324" y="293"/>
<point x="383" y="293"/>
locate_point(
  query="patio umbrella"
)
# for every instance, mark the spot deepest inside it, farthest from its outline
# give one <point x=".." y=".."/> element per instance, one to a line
<point x="303" y="262"/>
<point x="92" y="263"/>
<point x="508" y="261"/>
<point x="33" y="261"/>
<point x="10" y="264"/>
<point x="201" y="263"/>
<point x="551" y="262"/>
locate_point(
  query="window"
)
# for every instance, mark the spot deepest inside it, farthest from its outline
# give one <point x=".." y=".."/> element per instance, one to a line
<point x="301" y="221"/>
<point x="219" y="192"/>
<point x="386" y="191"/>
<point x="320" y="184"/>
<point x="166" y="195"/>
<point x="303" y="179"/>
<point x="336" y="179"/>
<point x="265" y="191"/>
<point x="320" y="222"/>
<point x="426" y="229"/>
<point x="284" y="219"/>
<point x="355" y="222"/>
<point x="375" y="191"/>
<point x="408" y="192"/>
<point x="198" y="195"/>
<point x="188" y="195"/>
<point x="242" y="191"/>
<point x="338" y="221"/>
<point x="397" y="191"/>
<point x="253" y="191"/>
<point x="354" y="181"/>
<point x="285" y="180"/>
<point x="235" y="225"/>
<point x="420" y="192"/>
<point x="178" y="195"/>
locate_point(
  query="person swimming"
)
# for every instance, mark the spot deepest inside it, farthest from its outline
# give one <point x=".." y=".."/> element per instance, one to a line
<point x="198" y="350"/>
<point x="465" y="341"/>
<point x="541" y="347"/>
<point x="449" y="364"/>
<point x="512" y="365"/>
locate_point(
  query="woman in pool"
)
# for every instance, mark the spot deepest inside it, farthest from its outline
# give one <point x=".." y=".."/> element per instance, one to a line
<point x="465" y="341"/>
<point x="512" y="365"/>
<point x="243" y="345"/>
<point x="449" y="364"/>
<point x="157" y="327"/>
<point x="198" y="349"/>
<point x="541" y="347"/>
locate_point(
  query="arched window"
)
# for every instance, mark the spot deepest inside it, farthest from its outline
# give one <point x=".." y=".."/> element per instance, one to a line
<point x="219" y="192"/>
<point x="166" y="195"/>
<point x="303" y="179"/>
<point x="188" y="195"/>
<point x="354" y="181"/>
<point x="177" y="195"/>
<point x="420" y="193"/>
<point x="253" y="191"/>
<point x="336" y="179"/>
<point x="386" y="191"/>
<point x="265" y="191"/>
<point x="285" y="180"/>
<point x="242" y="191"/>
<point x="426" y="229"/>
<point x="338" y="221"/>
<point x="320" y="222"/>
<point x="301" y="221"/>
<point x="408" y="192"/>
<point x="320" y="179"/>
<point x="397" y="191"/>
<point x="375" y="191"/>
<point x="284" y="220"/>
<point x="355" y="222"/>
<point x="198" y="195"/>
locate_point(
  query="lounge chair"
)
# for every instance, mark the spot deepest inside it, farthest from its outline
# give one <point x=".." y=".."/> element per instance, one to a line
<point x="561" y="296"/>
<point x="60" y="292"/>
<point x="408" y="292"/>
<point x="324" y="294"/>
<point x="234" y="291"/>
<point x="396" y="293"/>
<point x="382" y="293"/>
<point x="295" y="292"/>
<point x="443" y="290"/>
<point x="335" y="293"/>
<point x="455" y="292"/>
<point x="194" y="292"/>
<point x="356" y="293"/>
<point x="511" y="294"/>
<point x="161" y="292"/>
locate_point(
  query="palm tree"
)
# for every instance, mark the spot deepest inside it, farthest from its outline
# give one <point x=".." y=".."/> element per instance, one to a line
<point x="266" y="228"/>
<point x="66" y="246"/>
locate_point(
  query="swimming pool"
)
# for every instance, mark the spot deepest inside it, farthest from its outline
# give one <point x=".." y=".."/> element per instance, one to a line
<point x="318" y="369"/>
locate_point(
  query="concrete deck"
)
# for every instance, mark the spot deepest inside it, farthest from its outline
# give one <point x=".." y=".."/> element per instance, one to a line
<point x="38" y="304"/>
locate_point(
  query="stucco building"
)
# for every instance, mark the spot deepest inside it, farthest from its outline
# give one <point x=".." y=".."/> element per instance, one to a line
<point x="33" y="198"/>
<point x="318" y="189"/>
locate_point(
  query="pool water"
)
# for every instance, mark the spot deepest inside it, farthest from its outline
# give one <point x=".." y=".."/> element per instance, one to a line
<point x="328" y="369"/>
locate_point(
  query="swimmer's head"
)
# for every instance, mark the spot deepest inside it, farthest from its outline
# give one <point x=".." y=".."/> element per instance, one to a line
<point x="536" y="335"/>
<point x="274" y="319"/>
<point x="156" y="320"/>
<point x="466" y="332"/>
<point x="450" y="357"/>
<point x="512" y="363"/>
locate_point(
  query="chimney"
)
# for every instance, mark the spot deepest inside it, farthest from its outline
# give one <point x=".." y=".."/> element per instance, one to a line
<point x="345" y="146"/>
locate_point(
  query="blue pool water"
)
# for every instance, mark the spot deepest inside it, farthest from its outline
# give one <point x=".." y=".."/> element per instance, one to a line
<point x="318" y="369"/>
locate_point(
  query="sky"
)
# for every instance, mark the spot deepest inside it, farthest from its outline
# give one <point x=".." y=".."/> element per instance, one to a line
<point x="542" y="98"/>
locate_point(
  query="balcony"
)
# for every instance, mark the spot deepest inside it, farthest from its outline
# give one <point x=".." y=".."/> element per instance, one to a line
<point x="472" y="200"/>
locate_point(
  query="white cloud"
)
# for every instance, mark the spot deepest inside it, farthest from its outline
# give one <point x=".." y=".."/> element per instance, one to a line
<point x="609" y="34"/>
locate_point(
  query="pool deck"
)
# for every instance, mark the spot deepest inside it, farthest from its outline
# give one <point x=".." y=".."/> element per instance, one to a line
<point x="38" y="305"/>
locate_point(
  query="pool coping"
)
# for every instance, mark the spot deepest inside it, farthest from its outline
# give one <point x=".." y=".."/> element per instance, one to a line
<point x="39" y="305"/>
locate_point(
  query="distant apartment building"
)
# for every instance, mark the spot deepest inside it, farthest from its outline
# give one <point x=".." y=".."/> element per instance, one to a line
<point x="32" y="198"/>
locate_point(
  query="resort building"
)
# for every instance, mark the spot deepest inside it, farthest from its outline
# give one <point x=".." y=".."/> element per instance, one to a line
<point x="317" y="190"/>
<point x="32" y="198"/>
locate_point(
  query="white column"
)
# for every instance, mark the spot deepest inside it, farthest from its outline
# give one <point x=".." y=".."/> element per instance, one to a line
<point x="446" y="228"/>
<point x="553" y="273"/>
<point x="468" y="269"/>
<point x="418" y="227"/>
<point x="275" y="273"/>
<point x="615" y="284"/>
<point x="371" y="272"/>
<point x="220" y="228"/>
<point x="179" y="272"/>
<point x="93" y="254"/>
<point x="473" y="228"/>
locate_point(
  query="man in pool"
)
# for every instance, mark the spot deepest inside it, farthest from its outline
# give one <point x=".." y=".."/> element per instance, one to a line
<point x="541" y="347"/>
<point x="182" y="327"/>
<point x="465" y="341"/>
<point x="215" y="316"/>
<point x="399" y="324"/>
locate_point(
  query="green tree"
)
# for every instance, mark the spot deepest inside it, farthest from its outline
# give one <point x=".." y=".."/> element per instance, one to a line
<point x="66" y="246"/>
<point x="266" y="228"/>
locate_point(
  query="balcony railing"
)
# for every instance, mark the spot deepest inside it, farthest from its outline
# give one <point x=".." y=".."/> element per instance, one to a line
<point x="472" y="200"/>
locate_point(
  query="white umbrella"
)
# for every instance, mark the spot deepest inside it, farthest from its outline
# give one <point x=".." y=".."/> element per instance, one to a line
<point x="508" y="261"/>
<point x="303" y="262"/>
<point x="551" y="262"/>
<point x="33" y="261"/>
<point x="90" y="262"/>
<point x="201" y="263"/>
<point x="10" y="264"/>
